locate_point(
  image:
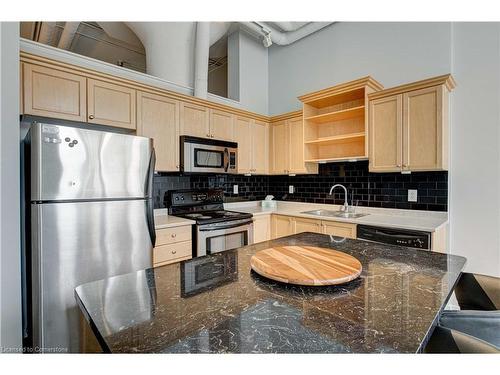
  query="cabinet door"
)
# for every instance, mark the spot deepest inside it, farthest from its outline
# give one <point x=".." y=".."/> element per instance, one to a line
<point x="423" y="120"/>
<point x="158" y="118"/>
<point x="261" y="228"/>
<point x="339" y="229"/>
<point x="385" y="134"/>
<point x="221" y="125"/>
<point x="260" y="147"/>
<point x="307" y="225"/>
<point x="195" y="120"/>
<point x="53" y="93"/>
<point x="243" y="136"/>
<point x="279" y="150"/>
<point x="282" y="226"/>
<point x="296" y="146"/>
<point x="111" y="104"/>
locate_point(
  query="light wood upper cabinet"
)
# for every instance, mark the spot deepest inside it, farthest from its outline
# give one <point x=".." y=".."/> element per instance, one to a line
<point x="385" y="134"/>
<point x="243" y="136"/>
<point x="296" y="146"/>
<point x="279" y="148"/>
<point x="286" y="145"/>
<point x="221" y="125"/>
<point x="158" y="118"/>
<point x="195" y="120"/>
<point x="260" y="147"/>
<point x="408" y="126"/>
<point x="54" y="93"/>
<point x="253" y="139"/>
<point x="425" y="129"/>
<point x="111" y="104"/>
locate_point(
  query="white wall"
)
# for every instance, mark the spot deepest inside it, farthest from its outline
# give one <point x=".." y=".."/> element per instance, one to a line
<point x="254" y="74"/>
<point x="392" y="53"/>
<point x="475" y="140"/>
<point x="10" y="267"/>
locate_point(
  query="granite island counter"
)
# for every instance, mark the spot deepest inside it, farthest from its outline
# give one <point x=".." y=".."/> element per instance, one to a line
<point x="216" y="304"/>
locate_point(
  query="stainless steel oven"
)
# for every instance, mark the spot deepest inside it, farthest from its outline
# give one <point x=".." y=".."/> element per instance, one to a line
<point x="200" y="155"/>
<point x="217" y="237"/>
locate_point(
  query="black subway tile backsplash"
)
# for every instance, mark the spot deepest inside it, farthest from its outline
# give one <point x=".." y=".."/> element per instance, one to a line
<point x="388" y="190"/>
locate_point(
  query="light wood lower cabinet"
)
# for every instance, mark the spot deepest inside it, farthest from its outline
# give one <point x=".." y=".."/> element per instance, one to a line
<point x="339" y="229"/>
<point x="54" y="93"/>
<point x="307" y="225"/>
<point x="158" y="118"/>
<point x="282" y="226"/>
<point x="261" y="228"/>
<point x="287" y="225"/>
<point x="172" y="245"/>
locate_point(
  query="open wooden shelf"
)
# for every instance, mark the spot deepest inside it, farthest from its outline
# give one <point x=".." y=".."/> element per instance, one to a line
<point x="344" y="114"/>
<point x="336" y="139"/>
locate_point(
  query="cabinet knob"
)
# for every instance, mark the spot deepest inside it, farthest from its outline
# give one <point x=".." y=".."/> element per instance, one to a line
<point x="405" y="166"/>
<point x="398" y="165"/>
<point x="208" y="135"/>
<point x="174" y="252"/>
<point x="177" y="166"/>
<point x="174" y="235"/>
<point x="211" y="135"/>
<point x="91" y="117"/>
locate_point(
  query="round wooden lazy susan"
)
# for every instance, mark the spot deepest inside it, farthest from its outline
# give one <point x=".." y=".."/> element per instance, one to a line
<point x="306" y="265"/>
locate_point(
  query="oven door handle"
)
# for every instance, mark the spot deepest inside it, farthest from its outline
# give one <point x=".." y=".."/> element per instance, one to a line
<point x="226" y="159"/>
<point x="229" y="226"/>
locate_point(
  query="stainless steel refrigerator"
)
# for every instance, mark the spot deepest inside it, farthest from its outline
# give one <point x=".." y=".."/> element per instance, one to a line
<point x="89" y="216"/>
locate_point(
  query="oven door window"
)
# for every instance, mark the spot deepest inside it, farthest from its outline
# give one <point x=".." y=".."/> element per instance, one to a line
<point x="228" y="241"/>
<point x="208" y="158"/>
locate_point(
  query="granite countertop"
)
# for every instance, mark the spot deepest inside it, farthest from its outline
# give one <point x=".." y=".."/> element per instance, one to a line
<point x="392" y="307"/>
<point x="164" y="220"/>
<point x="427" y="221"/>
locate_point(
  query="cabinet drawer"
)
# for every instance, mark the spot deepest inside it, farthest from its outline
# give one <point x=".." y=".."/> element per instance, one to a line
<point x="336" y="228"/>
<point x="166" y="254"/>
<point x="172" y="235"/>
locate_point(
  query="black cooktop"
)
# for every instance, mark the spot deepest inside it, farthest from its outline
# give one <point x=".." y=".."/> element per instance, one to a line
<point x="207" y="217"/>
<point x="205" y="206"/>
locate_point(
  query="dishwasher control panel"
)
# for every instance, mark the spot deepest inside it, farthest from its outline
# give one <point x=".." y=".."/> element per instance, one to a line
<point x="394" y="236"/>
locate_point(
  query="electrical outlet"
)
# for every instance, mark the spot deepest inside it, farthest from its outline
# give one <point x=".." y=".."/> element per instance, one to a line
<point x="235" y="189"/>
<point x="412" y="195"/>
<point x="291" y="189"/>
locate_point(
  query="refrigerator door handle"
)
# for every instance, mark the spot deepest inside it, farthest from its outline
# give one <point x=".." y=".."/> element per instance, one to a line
<point x="149" y="198"/>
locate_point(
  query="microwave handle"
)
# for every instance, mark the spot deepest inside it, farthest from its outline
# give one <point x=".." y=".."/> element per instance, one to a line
<point x="226" y="159"/>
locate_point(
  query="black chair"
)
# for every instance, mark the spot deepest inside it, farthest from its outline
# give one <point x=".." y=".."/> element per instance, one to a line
<point x="479" y="299"/>
<point x="445" y="340"/>
<point x="478" y="292"/>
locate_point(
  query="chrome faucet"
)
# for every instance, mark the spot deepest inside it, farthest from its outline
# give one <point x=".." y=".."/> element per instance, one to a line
<point x="346" y="205"/>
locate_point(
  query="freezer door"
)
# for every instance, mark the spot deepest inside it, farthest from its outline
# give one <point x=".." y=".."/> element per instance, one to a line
<point x="75" y="243"/>
<point x="70" y="163"/>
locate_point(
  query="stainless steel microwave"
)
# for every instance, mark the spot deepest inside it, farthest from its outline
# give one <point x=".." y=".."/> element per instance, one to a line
<point x="200" y="155"/>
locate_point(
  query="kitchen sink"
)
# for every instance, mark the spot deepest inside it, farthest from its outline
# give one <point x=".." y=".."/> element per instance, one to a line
<point x="329" y="213"/>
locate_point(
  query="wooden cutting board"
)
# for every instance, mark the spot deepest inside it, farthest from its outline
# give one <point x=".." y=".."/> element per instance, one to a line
<point x="306" y="265"/>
